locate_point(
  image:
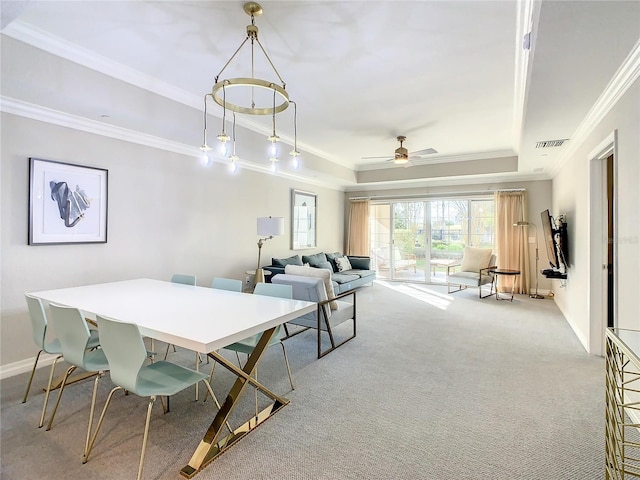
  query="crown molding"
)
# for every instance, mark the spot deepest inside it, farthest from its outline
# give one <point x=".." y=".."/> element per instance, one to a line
<point x="56" y="117"/>
<point x="59" y="47"/>
<point x="463" y="157"/>
<point x="621" y="81"/>
<point x="527" y="23"/>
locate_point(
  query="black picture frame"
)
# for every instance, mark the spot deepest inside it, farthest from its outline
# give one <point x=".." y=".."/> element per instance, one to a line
<point x="68" y="203"/>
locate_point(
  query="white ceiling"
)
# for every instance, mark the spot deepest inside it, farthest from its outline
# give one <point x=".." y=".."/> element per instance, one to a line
<point x="451" y="75"/>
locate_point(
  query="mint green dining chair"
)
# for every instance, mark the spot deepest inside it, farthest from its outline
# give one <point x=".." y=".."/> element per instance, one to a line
<point x="125" y="350"/>
<point x="221" y="283"/>
<point x="185" y="279"/>
<point x="39" y="326"/>
<point x="73" y="333"/>
<point x="248" y="344"/>
<point x="227" y="284"/>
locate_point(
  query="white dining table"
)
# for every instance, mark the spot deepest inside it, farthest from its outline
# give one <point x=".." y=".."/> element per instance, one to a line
<point x="199" y="319"/>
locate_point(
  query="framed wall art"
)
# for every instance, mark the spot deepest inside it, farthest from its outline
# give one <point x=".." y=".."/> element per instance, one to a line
<point x="303" y="220"/>
<point x="67" y="203"/>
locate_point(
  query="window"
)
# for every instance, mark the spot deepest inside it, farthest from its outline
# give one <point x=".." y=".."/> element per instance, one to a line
<point x="415" y="240"/>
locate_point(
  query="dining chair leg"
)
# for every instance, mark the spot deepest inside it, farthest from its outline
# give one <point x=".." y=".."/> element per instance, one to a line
<point x="85" y="458"/>
<point x="210" y="378"/>
<point x="64" y="382"/>
<point x="33" y="371"/>
<point x="286" y="361"/>
<point x="215" y="399"/>
<point x="93" y="406"/>
<point x="146" y="434"/>
<point x="46" y="396"/>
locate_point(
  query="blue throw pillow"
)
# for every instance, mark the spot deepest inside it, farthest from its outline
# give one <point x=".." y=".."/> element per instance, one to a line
<point x="281" y="262"/>
<point x="325" y="265"/>
<point x="314" y="260"/>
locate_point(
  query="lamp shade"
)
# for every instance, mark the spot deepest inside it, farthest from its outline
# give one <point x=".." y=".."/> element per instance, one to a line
<point x="270" y="226"/>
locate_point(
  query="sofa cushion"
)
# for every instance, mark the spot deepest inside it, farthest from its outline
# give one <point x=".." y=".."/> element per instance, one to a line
<point x="361" y="273"/>
<point x="281" y="262"/>
<point x="318" y="273"/>
<point x="474" y="259"/>
<point x="343" y="264"/>
<point x="345" y="277"/>
<point x="315" y="259"/>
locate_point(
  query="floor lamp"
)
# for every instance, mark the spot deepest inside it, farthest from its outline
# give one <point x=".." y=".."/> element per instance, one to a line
<point x="268" y="227"/>
<point x="535" y="231"/>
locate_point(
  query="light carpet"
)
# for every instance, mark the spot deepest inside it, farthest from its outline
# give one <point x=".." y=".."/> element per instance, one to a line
<point x="434" y="386"/>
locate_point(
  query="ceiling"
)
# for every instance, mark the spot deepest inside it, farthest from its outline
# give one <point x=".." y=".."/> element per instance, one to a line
<point x="450" y="75"/>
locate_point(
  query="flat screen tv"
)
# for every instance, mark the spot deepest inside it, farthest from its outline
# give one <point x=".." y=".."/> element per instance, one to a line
<point x="555" y="240"/>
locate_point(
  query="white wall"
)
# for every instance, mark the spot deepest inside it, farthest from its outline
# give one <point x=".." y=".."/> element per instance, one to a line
<point x="571" y="188"/>
<point x="167" y="213"/>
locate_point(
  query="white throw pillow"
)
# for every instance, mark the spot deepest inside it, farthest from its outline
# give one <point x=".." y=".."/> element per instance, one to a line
<point x="343" y="264"/>
<point x="318" y="273"/>
<point x="475" y="258"/>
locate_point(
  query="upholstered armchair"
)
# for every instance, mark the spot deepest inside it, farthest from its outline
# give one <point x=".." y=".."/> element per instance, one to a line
<point x="475" y="270"/>
<point x="332" y="310"/>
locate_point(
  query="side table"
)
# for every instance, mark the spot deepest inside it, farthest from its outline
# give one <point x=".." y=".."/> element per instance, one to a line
<point x="506" y="272"/>
<point x="250" y="288"/>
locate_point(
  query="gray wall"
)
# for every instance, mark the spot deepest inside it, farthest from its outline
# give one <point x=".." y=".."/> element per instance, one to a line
<point x="167" y="213"/>
<point x="571" y="196"/>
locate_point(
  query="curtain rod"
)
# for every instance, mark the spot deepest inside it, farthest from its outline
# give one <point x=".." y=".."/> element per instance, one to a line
<point x="423" y="195"/>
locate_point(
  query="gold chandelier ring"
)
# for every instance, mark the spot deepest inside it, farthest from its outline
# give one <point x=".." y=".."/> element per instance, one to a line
<point x="250" y="82"/>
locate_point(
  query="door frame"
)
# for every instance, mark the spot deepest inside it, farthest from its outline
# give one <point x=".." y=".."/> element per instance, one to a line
<point x="598" y="241"/>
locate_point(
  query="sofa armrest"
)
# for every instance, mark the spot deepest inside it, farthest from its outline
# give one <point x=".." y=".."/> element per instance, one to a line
<point x="359" y="262"/>
<point x="274" y="271"/>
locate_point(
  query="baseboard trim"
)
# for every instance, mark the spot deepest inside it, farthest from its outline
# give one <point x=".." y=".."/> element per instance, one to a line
<point x="16" y="368"/>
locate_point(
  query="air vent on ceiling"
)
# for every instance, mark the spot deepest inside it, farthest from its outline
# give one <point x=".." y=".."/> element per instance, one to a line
<point x="551" y="143"/>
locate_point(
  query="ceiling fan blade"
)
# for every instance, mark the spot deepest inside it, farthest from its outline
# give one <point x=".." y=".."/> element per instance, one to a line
<point x="378" y="158"/>
<point x="426" y="151"/>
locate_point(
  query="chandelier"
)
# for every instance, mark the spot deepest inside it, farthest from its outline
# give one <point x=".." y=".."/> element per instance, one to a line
<point x="252" y="96"/>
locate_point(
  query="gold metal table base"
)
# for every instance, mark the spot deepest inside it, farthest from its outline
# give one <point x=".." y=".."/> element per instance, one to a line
<point x="212" y="446"/>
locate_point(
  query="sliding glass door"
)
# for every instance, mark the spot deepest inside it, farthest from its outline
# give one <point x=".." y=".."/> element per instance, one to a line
<point x="418" y="240"/>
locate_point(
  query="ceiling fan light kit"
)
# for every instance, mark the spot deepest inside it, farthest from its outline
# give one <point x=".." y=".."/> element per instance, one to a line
<point x="402" y="156"/>
<point x="251" y="85"/>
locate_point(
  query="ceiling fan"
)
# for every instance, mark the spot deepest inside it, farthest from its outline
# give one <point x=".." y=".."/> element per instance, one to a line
<point x="402" y="156"/>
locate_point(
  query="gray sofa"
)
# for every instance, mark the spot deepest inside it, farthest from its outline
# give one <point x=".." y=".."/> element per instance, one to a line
<point x="359" y="275"/>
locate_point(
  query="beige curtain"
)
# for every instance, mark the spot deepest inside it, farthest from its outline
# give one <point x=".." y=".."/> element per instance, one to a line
<point x="358" y="234"/>
<point x="512" y="247"/>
